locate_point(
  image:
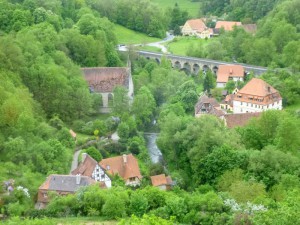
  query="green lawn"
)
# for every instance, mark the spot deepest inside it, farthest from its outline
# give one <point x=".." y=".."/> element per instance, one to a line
<point x="180" y="45"/>
<point x="84" y="220"/>
<point x="150" y="48"/>
<point x="127" y="36"/>
<point x="188" y="5"/>
<point x="293" y="107"/>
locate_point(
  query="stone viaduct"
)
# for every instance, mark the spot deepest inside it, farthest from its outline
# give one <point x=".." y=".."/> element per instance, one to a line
<point x="194" y="65"/>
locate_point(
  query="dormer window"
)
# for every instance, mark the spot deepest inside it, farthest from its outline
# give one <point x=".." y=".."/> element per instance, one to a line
<point x="107" y="167"/>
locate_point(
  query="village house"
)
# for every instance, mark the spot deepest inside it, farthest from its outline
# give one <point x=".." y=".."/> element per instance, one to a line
<point x="125" y="166"/>
<point x="196" y="27"/>
<point x="89" y="167"/>
<point x="229" y="72"/>
<point x="227" y="103"/>
<point x="62" y="185"/>
<point x="103" y="80"/>
<point x="206" y="105"/>
<point x="256" y="96"/>
<point x="162" y="182"/>
<point x="227" y="25"/>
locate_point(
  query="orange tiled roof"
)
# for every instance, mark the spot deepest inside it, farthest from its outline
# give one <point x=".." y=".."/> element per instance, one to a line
<point x="227" y="25"/>
<point x="161" y="180"/>
<point x="126" y="170"/>
<point x="257" y="87"/>
<point x="197" y="24"/>
<point x="239" y="119"/>
<point x="259" y="92"/>
<point x="226" y="71"/>
<point x="86" y="168"/>
<point x="105" y="79"/>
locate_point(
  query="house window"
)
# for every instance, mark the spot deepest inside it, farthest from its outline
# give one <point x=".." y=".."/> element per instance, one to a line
<point x="241" y="103"/>
<point x="131" y="179"/>
<point x="102" y="176"/>
<point x="45" y="195"/>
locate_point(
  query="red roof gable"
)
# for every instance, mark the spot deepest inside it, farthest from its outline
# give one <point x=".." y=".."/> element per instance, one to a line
<point x="125" y="166"/>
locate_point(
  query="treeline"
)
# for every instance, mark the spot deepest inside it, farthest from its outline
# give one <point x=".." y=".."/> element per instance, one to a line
<point x="141" y="16"/>
<point x="276" y="43"/>
<point x="43" y="44"/>
<point x="240" y="10"/>
<point x="257" y="163"/>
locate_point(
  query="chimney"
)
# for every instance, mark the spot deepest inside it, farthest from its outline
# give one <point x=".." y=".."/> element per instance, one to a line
<point x="83" y="156"/>
<point x="125" y="158"/>
<point x="78" y="177"/>
<point x="269" y="89"/>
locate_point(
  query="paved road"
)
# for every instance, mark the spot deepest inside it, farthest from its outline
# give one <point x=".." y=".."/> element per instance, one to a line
<point x="75" y="160"/>
<point x="159" y="44"/>
<point x="74" y="164"/>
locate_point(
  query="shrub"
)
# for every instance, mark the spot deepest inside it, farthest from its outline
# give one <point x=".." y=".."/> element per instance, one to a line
<point x="114" y="207"/>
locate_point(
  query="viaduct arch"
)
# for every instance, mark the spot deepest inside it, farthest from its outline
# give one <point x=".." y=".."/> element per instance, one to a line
<point x="194" y="65"/>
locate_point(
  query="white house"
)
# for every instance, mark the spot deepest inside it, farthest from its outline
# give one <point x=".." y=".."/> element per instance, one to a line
<point x="90" y="167"/>
<point x="126" y="166"/>
<point x="229" y="72"/>
<point x="196" y="27"/>
<point x="256" y="96"/>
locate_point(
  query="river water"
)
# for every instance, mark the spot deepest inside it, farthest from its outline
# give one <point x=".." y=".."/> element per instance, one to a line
<point x="154" y="152"/>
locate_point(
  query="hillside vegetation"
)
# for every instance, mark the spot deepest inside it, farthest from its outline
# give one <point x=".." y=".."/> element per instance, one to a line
<point x="247" y="175"/>
<point x="192" y="7"/>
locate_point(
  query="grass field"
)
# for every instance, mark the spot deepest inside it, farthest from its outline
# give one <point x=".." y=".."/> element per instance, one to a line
<point x="127" y="36"/>
<point x="191" y="7"/>
<point x="83" y="221"/>
<point x="150" y="49"/>
<point x="180" y="45"/>
<point x="294" y="107"/>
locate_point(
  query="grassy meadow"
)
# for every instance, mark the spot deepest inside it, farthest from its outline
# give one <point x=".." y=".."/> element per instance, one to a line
<point x="127" y="36"/>
<point x="191" y="7"/>
<point x="180" y="45"/>
<point x="150" y="49"/>
<point x="83" y="221"/>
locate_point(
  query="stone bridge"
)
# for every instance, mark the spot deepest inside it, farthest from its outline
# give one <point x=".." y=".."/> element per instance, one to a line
<point x="194" y="65"/>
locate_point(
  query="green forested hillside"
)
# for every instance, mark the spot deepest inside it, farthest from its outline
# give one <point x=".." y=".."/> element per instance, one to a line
<point x="42" y="47"/>
<point x="223" y="176"/>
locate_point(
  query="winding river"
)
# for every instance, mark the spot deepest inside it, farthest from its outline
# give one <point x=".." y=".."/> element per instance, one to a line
<point x="154" y="152"/>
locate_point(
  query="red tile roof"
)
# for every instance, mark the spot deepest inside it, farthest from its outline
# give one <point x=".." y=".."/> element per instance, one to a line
<point x="257" y="87"/>
<point x="87" y="167"/>
<point x="105" y="79"/>
<point x="259" y="92"/>
<point x="227" y="25"/>
<point x="125" y="166"/>
<point x="197" y="24"/>
<point x="226" y="71"/>
<point x="239" y="119"/>
<point x="161" y="179"/>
